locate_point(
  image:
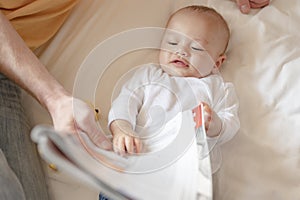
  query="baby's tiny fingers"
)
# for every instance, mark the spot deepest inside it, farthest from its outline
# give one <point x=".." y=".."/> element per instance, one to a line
<point x="138" y="145"/>
<point x="129" y="145"/>
<point x="119" y="146"/>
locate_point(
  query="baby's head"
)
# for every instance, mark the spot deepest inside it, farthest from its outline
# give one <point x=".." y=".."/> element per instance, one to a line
<point x="194" y="43"/>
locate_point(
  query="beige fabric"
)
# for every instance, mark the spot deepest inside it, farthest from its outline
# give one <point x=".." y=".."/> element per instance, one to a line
<point x="36" y="21"/>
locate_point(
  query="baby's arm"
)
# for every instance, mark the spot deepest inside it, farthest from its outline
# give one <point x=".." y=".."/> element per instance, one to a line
<point x="124" y="138"/>
<point x="224" y="122"/>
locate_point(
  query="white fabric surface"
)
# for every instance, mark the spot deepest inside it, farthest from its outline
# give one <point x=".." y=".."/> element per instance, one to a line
<point x="263" y="160"/>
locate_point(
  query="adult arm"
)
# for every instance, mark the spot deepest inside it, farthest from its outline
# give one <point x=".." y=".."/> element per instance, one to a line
<point x="21" y="65"/>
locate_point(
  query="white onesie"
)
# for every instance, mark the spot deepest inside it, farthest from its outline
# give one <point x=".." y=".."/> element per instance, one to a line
<point x="152" y="101"/>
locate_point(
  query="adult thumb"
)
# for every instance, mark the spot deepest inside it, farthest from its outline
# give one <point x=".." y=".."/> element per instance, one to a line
<point x="244" y="6"/>
<point x="98" y="137"/>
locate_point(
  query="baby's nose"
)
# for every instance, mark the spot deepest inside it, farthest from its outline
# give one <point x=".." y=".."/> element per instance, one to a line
<point x="181" y="52"/>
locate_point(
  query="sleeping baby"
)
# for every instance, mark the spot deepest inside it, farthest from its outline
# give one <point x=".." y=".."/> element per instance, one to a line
<point x="146" y="115"/>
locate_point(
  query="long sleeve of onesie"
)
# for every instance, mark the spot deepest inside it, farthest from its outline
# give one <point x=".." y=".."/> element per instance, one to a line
<point x="150" y="98"/>
<point x="225" y="104"/>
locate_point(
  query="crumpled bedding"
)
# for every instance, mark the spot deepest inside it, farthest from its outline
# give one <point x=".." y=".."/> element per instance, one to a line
<point x="263" y="160"/>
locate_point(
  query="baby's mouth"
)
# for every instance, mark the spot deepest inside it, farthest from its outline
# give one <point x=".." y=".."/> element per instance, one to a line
<point x="179" y="63"/>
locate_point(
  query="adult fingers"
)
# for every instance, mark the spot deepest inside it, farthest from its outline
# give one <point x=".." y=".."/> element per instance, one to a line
<point x="85" y="121"/>
<point x="97" y="136"/>
<point x="259" y="3"/>
<point x="244" y="6"/>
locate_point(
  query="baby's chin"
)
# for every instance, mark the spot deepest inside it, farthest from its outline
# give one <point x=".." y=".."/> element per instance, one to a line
<point x="171" y="72"/>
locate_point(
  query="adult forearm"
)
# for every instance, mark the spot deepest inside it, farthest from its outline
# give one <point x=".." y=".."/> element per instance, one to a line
<point x="21" y="65"/>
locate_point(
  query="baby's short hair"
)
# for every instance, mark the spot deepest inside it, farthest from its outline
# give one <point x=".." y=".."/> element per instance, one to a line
<point x="209" y="11"/>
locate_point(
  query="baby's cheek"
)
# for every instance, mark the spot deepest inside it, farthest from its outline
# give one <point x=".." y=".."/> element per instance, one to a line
<point x="203" y="64"/>
<point x="163" y="57"/>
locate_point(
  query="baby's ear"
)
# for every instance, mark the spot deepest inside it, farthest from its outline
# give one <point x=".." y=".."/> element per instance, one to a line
<point x="220" y="61"/>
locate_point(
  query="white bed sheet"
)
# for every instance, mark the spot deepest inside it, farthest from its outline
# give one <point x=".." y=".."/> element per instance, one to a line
<point x="263" y="160"/>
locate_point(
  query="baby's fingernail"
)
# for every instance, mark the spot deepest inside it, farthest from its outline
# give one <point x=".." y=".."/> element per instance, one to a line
<point x="106" y="145"/>
<point x="245" y="9"/>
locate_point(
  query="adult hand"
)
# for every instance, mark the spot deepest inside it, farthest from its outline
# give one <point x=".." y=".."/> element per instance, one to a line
<point x="70" y="115"/>
<point x="246" y="5"/>
<point x="19" y="64"/>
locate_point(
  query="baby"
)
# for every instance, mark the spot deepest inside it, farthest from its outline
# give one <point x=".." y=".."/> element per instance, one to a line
<point x="192" y="52"/>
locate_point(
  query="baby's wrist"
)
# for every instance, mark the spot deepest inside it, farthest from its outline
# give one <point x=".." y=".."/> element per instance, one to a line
<point x="120" y="127"/>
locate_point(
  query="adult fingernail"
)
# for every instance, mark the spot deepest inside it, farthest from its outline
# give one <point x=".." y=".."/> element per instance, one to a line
<point x="245" y="9"/>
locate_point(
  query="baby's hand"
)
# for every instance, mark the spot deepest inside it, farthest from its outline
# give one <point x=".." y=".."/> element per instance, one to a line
<point x="207" y="115"/>
<point x="213" y="123"/>
<point x="124" y="138"/>
<point x="124" y="143"/>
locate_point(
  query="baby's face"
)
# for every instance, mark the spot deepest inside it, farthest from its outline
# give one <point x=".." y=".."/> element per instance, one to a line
<point x="191" y="46"/>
